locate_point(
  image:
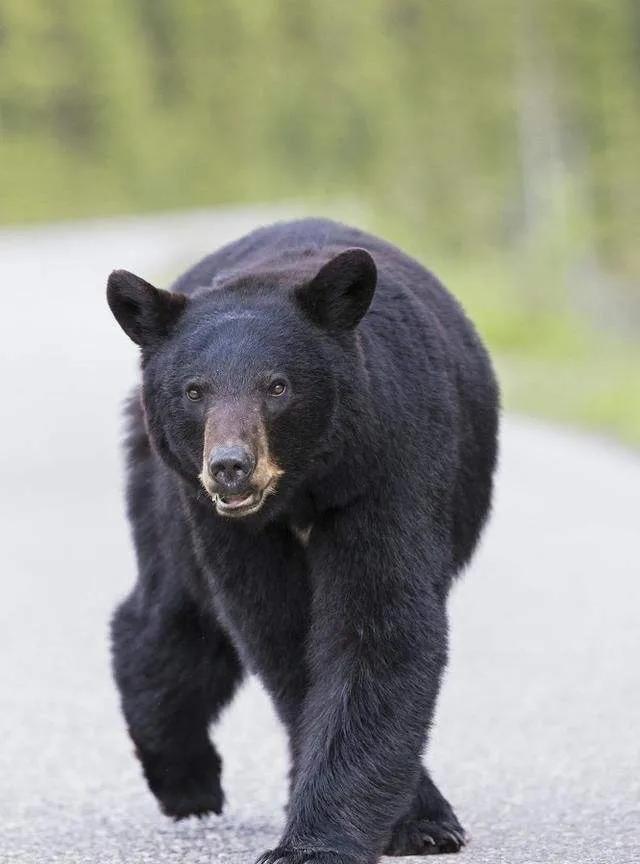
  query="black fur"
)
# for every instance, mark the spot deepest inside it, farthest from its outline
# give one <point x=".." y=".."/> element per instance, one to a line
<point x="387" y="439"/>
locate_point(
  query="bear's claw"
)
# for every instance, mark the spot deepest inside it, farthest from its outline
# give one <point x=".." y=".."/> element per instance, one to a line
<point x="424" y="837"/>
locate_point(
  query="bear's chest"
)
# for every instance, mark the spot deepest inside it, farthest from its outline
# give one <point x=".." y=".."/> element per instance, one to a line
<point x="302" y="533"/>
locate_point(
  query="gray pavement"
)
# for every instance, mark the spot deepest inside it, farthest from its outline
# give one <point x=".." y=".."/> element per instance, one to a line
<point x="537" y="739"/>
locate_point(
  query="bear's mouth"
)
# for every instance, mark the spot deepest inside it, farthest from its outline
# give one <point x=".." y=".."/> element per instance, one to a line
<point x="239" y="505"/>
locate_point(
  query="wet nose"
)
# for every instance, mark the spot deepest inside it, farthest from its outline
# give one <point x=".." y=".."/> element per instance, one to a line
<point x="231" y="467"/>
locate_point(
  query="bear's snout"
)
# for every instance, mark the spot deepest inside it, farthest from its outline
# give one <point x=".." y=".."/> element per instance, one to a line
<point x="237" y="471"/>
<point x="231" y="468"/>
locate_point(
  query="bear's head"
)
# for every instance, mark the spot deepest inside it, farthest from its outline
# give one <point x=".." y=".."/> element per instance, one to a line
<point x="242" y="383"/>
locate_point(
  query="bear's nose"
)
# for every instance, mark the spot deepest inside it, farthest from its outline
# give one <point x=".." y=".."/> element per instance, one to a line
<point x="231" y="467"/>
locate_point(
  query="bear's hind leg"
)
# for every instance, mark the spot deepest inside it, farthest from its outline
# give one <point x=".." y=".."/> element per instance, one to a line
<point x="430" y="826"/>
<point x="175" y="671"/>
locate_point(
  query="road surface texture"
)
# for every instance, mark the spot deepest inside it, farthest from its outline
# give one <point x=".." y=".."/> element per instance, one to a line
<point x="537" y="738"/>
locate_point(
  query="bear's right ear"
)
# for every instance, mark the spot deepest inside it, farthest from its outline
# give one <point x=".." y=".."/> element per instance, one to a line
<point x="145" y="314"/>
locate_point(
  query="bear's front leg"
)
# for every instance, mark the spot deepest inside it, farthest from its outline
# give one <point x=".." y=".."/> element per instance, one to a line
<point x="175" y="671"/>
<point x="377" y="648"/>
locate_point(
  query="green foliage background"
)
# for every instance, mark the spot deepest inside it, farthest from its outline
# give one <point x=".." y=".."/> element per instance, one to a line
<point x="499" y="141"/>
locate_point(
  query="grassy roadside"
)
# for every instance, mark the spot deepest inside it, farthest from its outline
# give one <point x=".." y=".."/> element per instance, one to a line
<point x="550" y="362"/>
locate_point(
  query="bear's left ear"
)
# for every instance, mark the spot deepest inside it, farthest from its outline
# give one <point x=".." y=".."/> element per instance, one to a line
<point x="339" y="295"/>
<point x="145" y="314"/>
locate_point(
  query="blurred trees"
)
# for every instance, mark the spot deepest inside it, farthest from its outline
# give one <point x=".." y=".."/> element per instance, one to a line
<point x="467" y="126"/>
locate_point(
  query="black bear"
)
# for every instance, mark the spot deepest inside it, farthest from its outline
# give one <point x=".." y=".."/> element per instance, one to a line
<point x="310" y="462"/>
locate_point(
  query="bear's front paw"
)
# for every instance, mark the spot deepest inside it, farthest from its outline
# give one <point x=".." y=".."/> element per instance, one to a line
<point x="186" y="786"/>
<point x="308" y="855"/>
<point x="192" y="799"/>
<point x="426" y="837"/>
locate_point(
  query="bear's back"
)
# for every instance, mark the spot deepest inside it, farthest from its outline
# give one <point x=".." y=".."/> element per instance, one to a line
<point x="409" y="300"/>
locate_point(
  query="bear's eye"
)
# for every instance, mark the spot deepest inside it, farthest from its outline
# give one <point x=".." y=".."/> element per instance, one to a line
<point x="194" y="392"/>
<point x="277" y="387"/>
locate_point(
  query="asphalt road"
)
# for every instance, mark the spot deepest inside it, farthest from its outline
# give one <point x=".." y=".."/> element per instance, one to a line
<point x="537" y="740"/>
